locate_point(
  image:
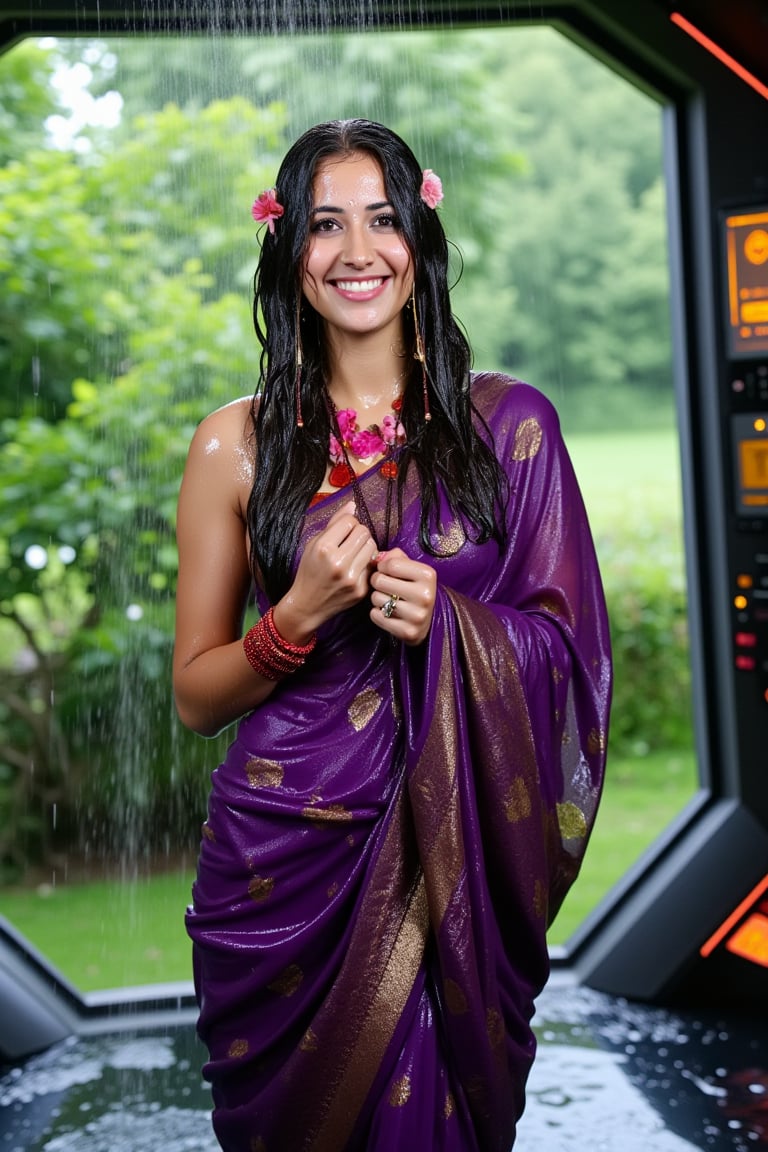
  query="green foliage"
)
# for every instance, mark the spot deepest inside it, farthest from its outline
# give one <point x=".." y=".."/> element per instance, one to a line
<point x="647" y="605"/>
<point x="26" y="99"/>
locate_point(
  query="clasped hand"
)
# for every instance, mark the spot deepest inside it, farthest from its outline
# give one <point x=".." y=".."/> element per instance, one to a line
<point x="342" y="565"/>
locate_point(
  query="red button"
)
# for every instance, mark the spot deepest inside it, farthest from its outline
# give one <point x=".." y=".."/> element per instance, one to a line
<point x="746" y="663"/>
<point x="746" y="639"/>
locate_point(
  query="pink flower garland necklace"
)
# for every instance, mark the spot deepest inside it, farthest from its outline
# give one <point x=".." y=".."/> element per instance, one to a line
<point x="376" y="440"/>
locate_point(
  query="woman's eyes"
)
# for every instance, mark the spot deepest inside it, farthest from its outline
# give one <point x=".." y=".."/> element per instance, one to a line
<point x="384" y="220"/>
<point x="327" y="225"/>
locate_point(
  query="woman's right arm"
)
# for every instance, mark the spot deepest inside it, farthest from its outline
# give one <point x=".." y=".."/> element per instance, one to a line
<point x="213" y="682"/>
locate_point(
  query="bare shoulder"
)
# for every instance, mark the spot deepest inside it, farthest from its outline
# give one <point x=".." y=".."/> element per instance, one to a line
<point x="226" y="433"/>
<point x="222" y="450"/>
<point x="228" y="428"/>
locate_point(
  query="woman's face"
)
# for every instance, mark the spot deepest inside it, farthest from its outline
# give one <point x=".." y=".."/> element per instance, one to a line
<point x="358" y="271"/>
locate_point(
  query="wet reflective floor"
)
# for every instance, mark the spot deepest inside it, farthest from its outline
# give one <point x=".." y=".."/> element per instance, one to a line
<point x="610" y="1076"/>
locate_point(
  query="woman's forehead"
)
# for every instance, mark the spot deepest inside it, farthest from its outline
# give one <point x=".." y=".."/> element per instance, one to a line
<point x="351" y="179"/>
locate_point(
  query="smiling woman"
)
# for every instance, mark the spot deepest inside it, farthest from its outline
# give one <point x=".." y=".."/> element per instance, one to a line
<point x="377" y="872"/>
<point x="358" y="272"/>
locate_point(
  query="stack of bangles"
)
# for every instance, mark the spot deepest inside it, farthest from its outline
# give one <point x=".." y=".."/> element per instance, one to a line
<point x="269" y="653"/>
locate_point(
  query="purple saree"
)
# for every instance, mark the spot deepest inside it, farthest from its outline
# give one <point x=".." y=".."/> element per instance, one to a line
<point x="393" y="830"/>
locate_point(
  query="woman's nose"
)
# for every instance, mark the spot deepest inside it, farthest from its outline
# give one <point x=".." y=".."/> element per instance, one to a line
<point x="357" y="249"/>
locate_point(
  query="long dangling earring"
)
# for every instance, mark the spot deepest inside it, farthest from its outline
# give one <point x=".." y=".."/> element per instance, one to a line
<point x="299" y="365"/>
<point x="420" y="355"/>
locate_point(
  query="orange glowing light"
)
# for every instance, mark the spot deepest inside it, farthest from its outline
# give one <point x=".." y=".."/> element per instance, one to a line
<point x="754" y="311"/>
<point x="744" y="580"/>
<point x="750" y="941"/>
<point x="740" y="602"/>
<point x="759" y="424"/>
<point x="719" y="54"/>
<point x="726" y="926"/>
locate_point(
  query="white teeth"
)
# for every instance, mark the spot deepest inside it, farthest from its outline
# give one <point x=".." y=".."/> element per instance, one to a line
<point x="359" y="285"/>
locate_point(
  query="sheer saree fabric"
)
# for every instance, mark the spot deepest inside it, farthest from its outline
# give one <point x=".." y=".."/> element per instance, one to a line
<point x="393" y="830"/>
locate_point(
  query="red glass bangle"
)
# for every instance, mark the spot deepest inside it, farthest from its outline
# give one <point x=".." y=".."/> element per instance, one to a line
<point x="269" y="653"/>
<point x="286" y="646"/>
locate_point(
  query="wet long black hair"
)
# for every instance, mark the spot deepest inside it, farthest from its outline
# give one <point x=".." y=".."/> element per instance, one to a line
<point x="291" y="461"/>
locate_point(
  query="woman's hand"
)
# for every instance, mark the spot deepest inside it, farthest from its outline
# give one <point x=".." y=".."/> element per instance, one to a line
<point x="333" y="574"/>
<point x="403" y="596"/>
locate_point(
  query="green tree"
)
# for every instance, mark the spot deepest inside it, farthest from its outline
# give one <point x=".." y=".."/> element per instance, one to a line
<point x="584" y="240"/>
<point x="87" y="569"/>
<point x="27" y="98"/>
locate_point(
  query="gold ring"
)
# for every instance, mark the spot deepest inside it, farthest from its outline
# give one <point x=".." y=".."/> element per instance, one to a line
<point x="388" y="607"/>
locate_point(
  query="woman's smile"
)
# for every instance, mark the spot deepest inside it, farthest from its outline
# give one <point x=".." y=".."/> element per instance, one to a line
<point x="360" y="289"/>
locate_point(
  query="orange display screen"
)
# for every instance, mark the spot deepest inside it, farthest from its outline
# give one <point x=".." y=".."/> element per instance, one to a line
<point x="750" y="457"/>
<point x="746" y="245"/>
<point x="753" y="460"/>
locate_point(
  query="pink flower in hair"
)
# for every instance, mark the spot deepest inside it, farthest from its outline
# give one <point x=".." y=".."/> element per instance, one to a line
<point x="266" y="207"/>
<point x="431" y="190"/>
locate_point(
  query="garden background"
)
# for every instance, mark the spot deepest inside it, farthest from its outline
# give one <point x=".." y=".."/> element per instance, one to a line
<point x="126" y="255"/>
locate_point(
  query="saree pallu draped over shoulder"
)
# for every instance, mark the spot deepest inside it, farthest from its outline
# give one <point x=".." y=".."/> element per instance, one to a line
<point x="393" y="830"/>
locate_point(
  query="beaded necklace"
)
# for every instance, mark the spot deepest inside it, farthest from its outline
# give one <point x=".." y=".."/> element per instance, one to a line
<point x="365" y="444"/>
<point x="387" y="440"/>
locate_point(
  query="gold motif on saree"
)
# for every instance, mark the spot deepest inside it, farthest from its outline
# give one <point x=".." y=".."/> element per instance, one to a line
<point x="288" y="981"/>
<point x="237" y="1049"/>
<point x="454" y="997"/>
<point x="517" y="802"/>
<point x="208" y="832"/>
<point x="260" y="888"/>
<point x="557" y="675"/>
<point x="571" y="821"/>
<point x="363" y="708"/>
<point x="494" y="1026"/>
<point x="257" y="1144"/>
<point x="540" y="899"/>
<point x="449" y="1106"/>
<point x="264" y="773"/>
<point x="528" y="437"/>
<point x="309" y="1042"/>
<point x="451" y="542"/>
<point x="596" y="741"/>
<point x="332" y="890"/>
<point x="333" y="814"/>
<point x="401" y="1091"/>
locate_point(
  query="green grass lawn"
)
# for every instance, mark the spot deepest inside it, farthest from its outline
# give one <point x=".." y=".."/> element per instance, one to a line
<point x="628" y="477"/>
<point x="117" y="933"/>
<point x="108" y="933"/>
